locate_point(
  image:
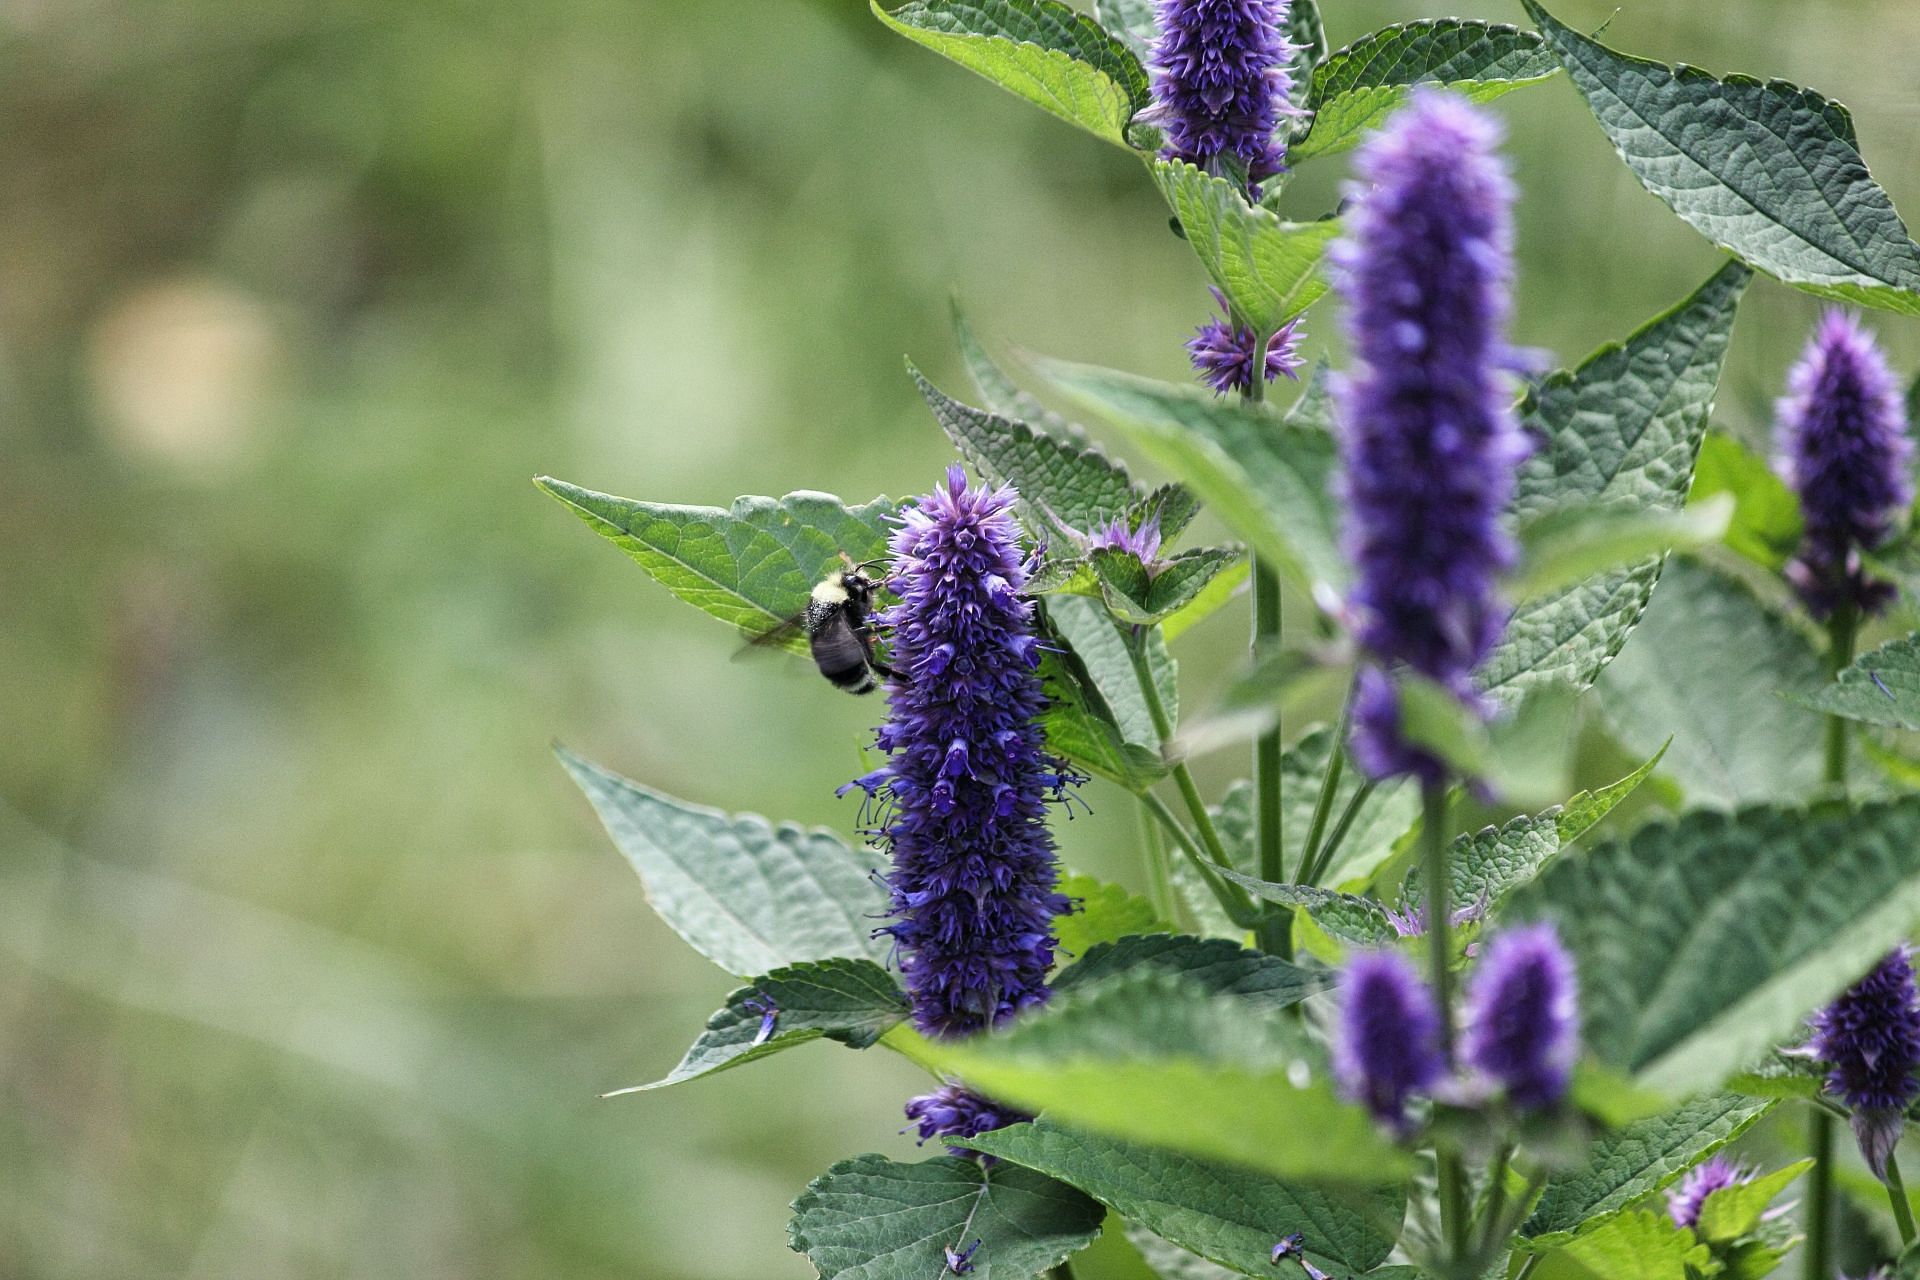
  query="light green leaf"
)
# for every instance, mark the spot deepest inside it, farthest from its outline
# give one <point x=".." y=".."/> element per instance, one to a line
<point x="749" y="896"/>
<point x="1708" y="940"/>
<point x="1226" y="1214"/>
<point x="1169" y="1261"/>
<point x="1065" y="486"/>
<point x="1732" y="1212"/>
<point x="1080" y="729"/>
<point x="1625" y="426"/>
<point x="1040" y="50"/>
<point x="1708" y="667"/>
<point x="1358" y="88"/>
<point x="1269" y="269"/>
<point x="1100" y="646"/>
<point x="1150" y="1059"/>
<point x="1525" y="757"/>
<point x="1266" y="479"/>
<point x="1131" y="20"/>
<point x="852" y="1001"/>
<point x="1570" y="544"/>
<point x="1766" y="516"/>
<point x="1767" y="170"/>
<point x="1209" y="600"/>
<point x="1216" y="966"/>
<point x="1636" y="1161"/>
<point x="1882" y="687"/>
<point x="1638" y="1246"/>
<point x="1107" y="913"/>
<point x="871" y="1218"/>
<point x="752" y="566"/>
<point x="1144" y="599"/>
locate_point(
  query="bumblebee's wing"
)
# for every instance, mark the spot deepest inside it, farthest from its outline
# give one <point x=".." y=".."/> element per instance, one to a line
<point x="779" y="636"/>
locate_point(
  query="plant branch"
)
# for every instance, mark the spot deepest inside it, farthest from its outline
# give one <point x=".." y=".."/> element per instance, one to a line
<point x="1329" y="786"/>
<point x="1897" y="1199"/>
<point x="1312" y="874"/>
<point x="1269" y="830"/>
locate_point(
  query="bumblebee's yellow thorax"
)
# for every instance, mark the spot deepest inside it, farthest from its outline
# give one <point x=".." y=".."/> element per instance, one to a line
<point x="831" y="591"/>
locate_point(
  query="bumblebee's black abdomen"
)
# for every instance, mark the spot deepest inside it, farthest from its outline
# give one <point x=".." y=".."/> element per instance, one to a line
<point x="838" y="650"/>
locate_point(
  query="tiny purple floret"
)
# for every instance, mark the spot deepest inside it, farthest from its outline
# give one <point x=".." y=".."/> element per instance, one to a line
<point x="1842" y="434"/>
<point x="1870" y="1040"/>
<point x="1431" y="443"/>
<point x="952" y="1111"/>
<point x="1686" y="1199"/>
<point x="1386" y="1043"/>
<point x="1222" y="352"/>
<point x="1523" y="1016"/>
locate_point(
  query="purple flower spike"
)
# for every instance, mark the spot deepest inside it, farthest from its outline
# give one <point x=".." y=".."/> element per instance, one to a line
<point x="1221" y="85"/>
<point x="964" y="793"/>
<point x="1842" y="434"/>
<point x="1870" y="1038"/>
<point x="1523" y="1016"/>
<point x="1430" y="440"/>
<point x="1222" y="352"/>
<point x="955" y="1112"/>
<point x="1689" y="1197"/>
<point x="1386" y="1045"/>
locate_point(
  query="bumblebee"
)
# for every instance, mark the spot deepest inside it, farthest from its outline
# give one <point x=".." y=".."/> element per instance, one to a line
<point x="838" y="624"/>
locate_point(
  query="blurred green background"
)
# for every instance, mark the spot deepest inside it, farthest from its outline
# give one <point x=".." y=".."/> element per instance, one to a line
<point x="311" y="962"/>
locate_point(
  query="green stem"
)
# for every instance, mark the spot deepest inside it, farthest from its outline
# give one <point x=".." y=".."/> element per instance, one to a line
<point x="1329" y="787"/>
<point x="1269" y="833"/>
<point x="1496" y="1200"/>
<point x="1238" y="907"/>
<point x="1313" y="873"/>
<point x="1526" y="1268"/>
<point x="1159" y="879"/>
<point x="1897" y="1197"/>
<point x="1453" y="1194"/>
<point x="1820" y="1197"/>
<point x="1840" y="636"/>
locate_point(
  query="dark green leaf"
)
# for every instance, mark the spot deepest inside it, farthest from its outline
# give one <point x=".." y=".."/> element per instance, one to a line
<point x="749" y="896"/>
<point x="1106" y="913"/>
<point x="1308" y="35"/>
<point x="852" y="1001"/>
<point x="1346" y="917"/>
<point x="1636" y="1161"/>
<point x="1227" y="1214"/>
<point x="1099" y="644"/>
<point x="1624" y="427"/>
<point x="1882" y="687"/>
<point x="1040" y="50"/>
<point x="1267" y="480"/>
<point x="1708" y="667"/>
<point x="1149" y="1058"/>
<point x="1766" y="516"/>
<point x="1214" y="965"/>
<point x="752" y="566"/>
<point x="1269" y="269"/>
<point x="1142" y="598"/>
<point x="1065" y="486"/>
<point x="1766" y="170"/>
<point x="1081" y="730"/>
<point x="1358" y="88"/>
<point x="1705" y="941"/>
<point x="871" y="1218"/>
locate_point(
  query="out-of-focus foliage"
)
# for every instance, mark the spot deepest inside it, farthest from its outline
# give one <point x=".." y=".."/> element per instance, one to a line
<point x="311" y="962"/>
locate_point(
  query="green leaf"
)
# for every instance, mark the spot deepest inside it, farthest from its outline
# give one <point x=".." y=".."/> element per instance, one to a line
<point x="1636" y="1161"/>
<point x="1209" y="600"/>
<point x="1081" y="730"/>
<point x="1358" y="88"/>
<point x="1638" y="1246"/>
<point x="752" y="566"/>
<point x="1491" y="863"/>
<point x="1269" y="269"/>
<point x="1732" y="1212"/>
<point x="1570" y="544"/>
<point x="1346" y="917"/>
<point x="1000" y="393"/>
<point x="1308" y="35"/>
<point x="1040" y="50"/>
<point x="1524" y="758"/>
<point x="1223" y="1213"/>
<point x="749" y="896"/>
<point x="1065" y="486"/>
<point x="1107" y="913"/>
<point x="1266" y="479"/>
<point x="1708" y="667"/>
<point x="1169" y="1261"/>
<point x="1767" y="170"/>
<point x="1100" y="646"/>
<point x="1623" y="427"/>
<point x="1151" y="1059"/>
<point x="1213" y="965"/>
<point x="1144" y="599"/>
<point x="1708" y="940"/>
<point x="1766" y="516"/>
<point x="871" y="1218"/>
<point x="1882" y="687"/>
<point x="852" y="1001"/>
<point x="1382" y="818"/>
<point x="1130" y="20"/>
